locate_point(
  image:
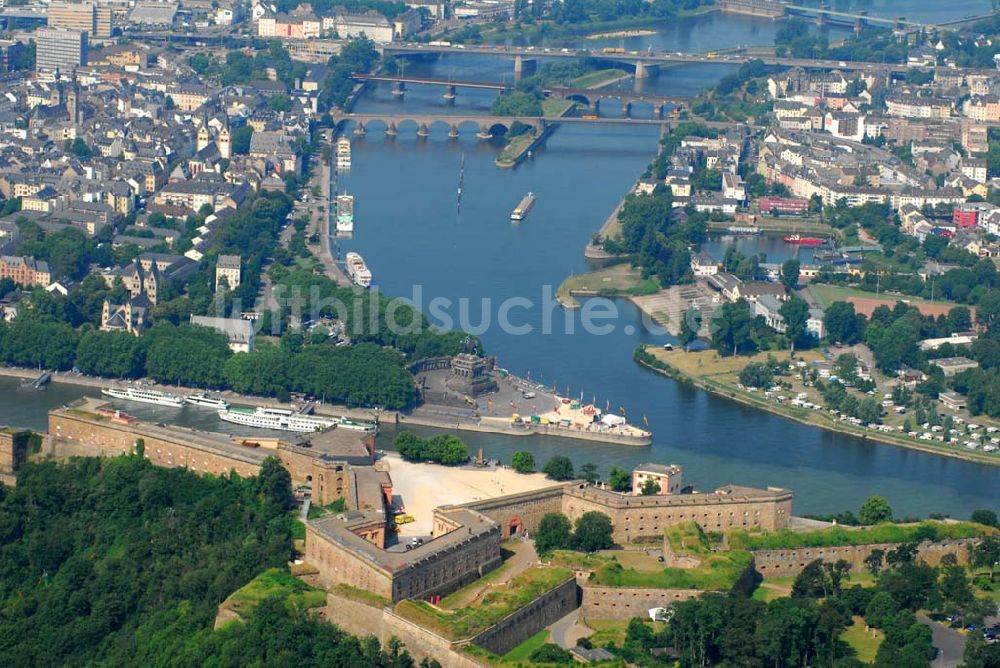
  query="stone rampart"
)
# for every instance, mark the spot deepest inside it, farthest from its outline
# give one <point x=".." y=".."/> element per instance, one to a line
<point x="599" y="602"/>
<point x="72" y="434"/>
<point x="634" y="517"/>
<point x="790" y="562"/>
<point x="521" y="624"/>
<point x="363" y="620"/>
<point x="516" y="513"/>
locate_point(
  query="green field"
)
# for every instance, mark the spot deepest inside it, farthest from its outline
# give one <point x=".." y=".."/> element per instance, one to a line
<point x="717" y="571"/>
<point x="524" y="650"/>
<point x="865" y="643"/>
<point x="555" y="106"/>
<point x="828" y="294"/>
<point x="839" y="535"/>
<point x="274" y="582"/>
<point x="618" y="280"/>
<point x="593" y="79"/>
<point x="494" y="606"/>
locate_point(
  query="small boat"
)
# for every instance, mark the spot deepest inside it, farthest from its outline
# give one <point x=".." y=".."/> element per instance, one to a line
<point x="521" y="210"/>
<point x="804" y="241"/>
<point x="145" y="396"/>
<point x="207" y="400"/>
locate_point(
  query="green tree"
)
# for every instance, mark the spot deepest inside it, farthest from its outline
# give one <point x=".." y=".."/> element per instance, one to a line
<point x="619" y="479"/>
<point x="588" y="472"/>
<point x="881" y="609"/>
<point x="559" y="468"/>
<point x="523" y="462"/>
<point x="110" y="354"/>
<point x="874" y="561"/>
<point x="790" y="271"/>
<point x="550" y="653"/>
<point x="553" y="533"/>
<point x="731" y="329"/>
<point x="650" y="487"/>
<point x="875" y="510"/>
<point x="690" y="325"/>
<point x="593" y="532"/>
<point x="841" y="323"/>
<point x="795" y="311"/>
<point x="241" y="137"/>
<point x="983" y="516"/>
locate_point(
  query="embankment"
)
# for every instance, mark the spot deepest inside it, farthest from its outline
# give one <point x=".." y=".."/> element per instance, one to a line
<point x="811" y="418"/>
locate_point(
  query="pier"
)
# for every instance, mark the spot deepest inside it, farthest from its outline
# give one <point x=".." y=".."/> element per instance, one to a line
<point x="38" y="383"/>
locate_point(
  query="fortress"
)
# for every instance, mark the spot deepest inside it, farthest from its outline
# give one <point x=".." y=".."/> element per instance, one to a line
<point x="357" y="547"/>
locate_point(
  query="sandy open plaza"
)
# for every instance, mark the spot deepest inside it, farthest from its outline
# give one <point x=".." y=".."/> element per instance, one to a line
<point x="420" y="488"/>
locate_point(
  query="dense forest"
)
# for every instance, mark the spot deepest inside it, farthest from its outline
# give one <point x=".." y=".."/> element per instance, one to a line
<point x="117" y="562"/>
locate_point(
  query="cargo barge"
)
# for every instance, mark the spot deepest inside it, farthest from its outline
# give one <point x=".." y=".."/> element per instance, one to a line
<point x="522" y="209"/>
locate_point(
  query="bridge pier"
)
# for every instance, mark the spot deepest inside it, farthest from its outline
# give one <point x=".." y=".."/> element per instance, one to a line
<point x="645" y="70"/>
<point x="422" y="130"/>
<point x="821" y="15"/>
<point x="449" y="94"/>
<point x="484" y="132"/>
<point x="390" y="129"/>
<point x="399" y="89"/>
<point x="523" y="66"/>
<point x="453" y="131"/>
<point x="359" y="129"/>
<point x="859" y="23"/>
<point x="658" y="111"/>
<point x="626" y="109"/>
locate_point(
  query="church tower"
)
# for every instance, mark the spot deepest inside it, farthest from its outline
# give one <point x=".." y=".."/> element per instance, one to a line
<point x="225" y="144"/>
<point x="203" y="137"/>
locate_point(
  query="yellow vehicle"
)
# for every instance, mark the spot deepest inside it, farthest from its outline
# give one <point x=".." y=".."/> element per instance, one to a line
<point x="612" y="49"/>
<point x="404" y="519"/>
<point x="712" y="54"/>
<point x="590" y="117"/>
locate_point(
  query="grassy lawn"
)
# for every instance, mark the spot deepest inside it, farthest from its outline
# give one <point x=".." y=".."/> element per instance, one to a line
<point x="618" y="280"/>
<point x="767" y="593"/>
<point x="514" y="148"/>
<point x="338" y="506"/>
<point x="361" y="596"/>
<point x="834" y="293"/>
<point x="274" y="582"/>
<point x="612" y="630"/>
<point x="708" y="363"/>
<point x="597" y="78"/>
<point x="864" y="642"/>
<point x="457" y="597"/>
<point x="524" y="650"/>
<point x="716" y="571"/>
<point x="555" y="106"/>
<point x="839" y="535"/>
<point x="494" y="606"/>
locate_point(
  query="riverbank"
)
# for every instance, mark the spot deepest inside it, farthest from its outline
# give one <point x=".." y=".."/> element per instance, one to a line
<point x="618" y="280"/>
<point x="423" y="416"/>
<point x="715" y="375"/>
<point x="517" y="149"/>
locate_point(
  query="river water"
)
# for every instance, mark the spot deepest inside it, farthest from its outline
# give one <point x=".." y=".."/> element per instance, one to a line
<point x="420" y="246"/>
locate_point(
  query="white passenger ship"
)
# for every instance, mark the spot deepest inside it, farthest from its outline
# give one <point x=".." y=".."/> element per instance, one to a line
<point x="280" y="419"/>
<point x="207" y="400"/>
<point x="144" y="395"/>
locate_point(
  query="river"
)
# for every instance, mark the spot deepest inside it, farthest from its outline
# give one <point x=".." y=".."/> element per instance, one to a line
<point x="418" y="244"/>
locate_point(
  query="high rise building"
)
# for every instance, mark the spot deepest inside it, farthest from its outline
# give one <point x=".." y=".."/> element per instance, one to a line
<point x="87" y="17"/>
<point x="60" y="49"/>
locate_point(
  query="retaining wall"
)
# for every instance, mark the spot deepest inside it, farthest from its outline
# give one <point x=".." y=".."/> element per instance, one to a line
<point x="521" y="624"/>
<point x="790" y="562"/>
<point x="600" y="602"/>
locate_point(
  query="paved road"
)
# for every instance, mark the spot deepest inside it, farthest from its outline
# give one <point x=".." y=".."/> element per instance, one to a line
<point x="558" y="630"/>
<point x="949" y="643"/>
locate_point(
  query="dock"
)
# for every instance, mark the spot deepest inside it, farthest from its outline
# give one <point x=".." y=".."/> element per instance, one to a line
<point x="38" y="383"/>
